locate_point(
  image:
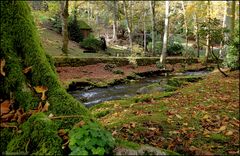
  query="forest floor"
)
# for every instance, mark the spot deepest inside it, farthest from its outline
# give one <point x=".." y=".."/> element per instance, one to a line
<point x="198" y="118"/>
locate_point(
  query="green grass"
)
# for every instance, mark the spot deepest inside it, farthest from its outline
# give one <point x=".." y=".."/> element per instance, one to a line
<point x="180" y="114"/>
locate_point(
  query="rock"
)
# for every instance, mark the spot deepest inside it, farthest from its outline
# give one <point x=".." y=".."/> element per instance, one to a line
<point x="155" y="87"/>
<point x="143" y="150"/>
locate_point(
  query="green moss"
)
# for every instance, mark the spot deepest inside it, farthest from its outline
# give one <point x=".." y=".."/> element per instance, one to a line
<point x="127" y="144"/>
<point x="6" y="135"/>
<point x="219" y="138"/>
<point x="102" y="114"/>
<point x="38" y="136"/>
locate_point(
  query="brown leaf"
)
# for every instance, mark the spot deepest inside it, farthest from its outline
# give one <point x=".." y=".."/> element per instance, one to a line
<point x="233" y="152"/>
<point x="61" y="132"/>
<point x="229" y="133"/>
<point x="5" y="106"/>
<point x="26" y="70"/>
<point x="222" y="128"/>
<point x="2" y="64"/>
<point x="80" y="124"/>
<point x="40" y="106"/>
<point x="45" y="107"/>
<point x="7" y="117"/>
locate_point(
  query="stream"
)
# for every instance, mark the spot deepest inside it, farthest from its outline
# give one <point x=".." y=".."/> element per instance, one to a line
<point x="98" y="95"/>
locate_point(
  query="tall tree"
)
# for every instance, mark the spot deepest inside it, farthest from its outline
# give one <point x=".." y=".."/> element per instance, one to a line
<point x="165" y="36"/>
<point x="129" y="28"/>
<point x="64" y="15"/>
<point x="152" y="8"/>
<point x="228" y="23"/>
<point x="208" y="31"/>
<point x="144" y="30"/>
<point x="115" y="19"/>
<point x="185" y="23"/>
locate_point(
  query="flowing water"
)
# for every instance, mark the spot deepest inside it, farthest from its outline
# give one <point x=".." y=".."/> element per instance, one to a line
<point x="98" y="95"/>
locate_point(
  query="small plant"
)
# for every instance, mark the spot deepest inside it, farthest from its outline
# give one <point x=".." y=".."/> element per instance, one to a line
<point x="174" y="48"/>
<point x="118" y="72"/>
<point x="90" y="139"/>
<point x="159" y="65"/>
<point x="91" y="43"/>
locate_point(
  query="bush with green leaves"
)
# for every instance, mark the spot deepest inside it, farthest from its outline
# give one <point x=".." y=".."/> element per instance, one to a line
<point x="158" y="47"/>
<point x="232" y="58"/>
<point x="91" y="43"/>
<point x="73" y="27"/>
<point x="90" y="139"/>
<point x="74" y="30"/>
<point x="174" y="48"/>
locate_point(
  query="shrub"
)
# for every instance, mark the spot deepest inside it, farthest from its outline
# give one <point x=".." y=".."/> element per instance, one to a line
<point x="74" y="30"/>
<point x="232" y="58"/>
<point x="90" y="139"/>
<point x="174" y="48"/>
<point x="91" y="43"/>
<point x="158" y="47"/>
<point x="118" y="72"/>
<point x="73" y="27"/>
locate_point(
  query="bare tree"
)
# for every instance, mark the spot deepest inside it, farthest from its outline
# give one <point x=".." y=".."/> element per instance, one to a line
<point x="208" y="32"/>
<point x="165" y="36"/>
<point x="152" y="8"/>
<point x="114" y="20"/>
<point x="64" y="15"/>
<point x="129" y="28"/>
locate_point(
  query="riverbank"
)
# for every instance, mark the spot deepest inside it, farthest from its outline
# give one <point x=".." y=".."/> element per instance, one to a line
<point x="105" y="74"/>
<point x="201" y="118"/>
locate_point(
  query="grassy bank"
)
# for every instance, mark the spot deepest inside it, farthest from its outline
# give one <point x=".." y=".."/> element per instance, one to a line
<point x="199" y="118"/>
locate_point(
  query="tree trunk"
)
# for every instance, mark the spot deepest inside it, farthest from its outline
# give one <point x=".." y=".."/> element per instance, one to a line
<point x="144" y="34"/>
<point x="165" y="36"/>
<point x="197" y="34"/>
<point x="64" y="14"/>
<point x="233" y="5"/>
<point x="129" y="29"/>
<point x="21" y="48"/>
<point x="185" y="24"/>
<point x="115" y="20"/>
<point x="208" y="33"/>
<point x="152" y="8"/>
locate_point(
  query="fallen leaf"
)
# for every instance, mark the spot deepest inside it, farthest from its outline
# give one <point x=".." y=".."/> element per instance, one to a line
<point x="26" y="70"/>
<point x="178" y="116"/>
<point x="152" y="128"/>
<point x="222" y="128"/>
<point x="80" y="124"/>
<point x="45" y="107"/>
<point x="206" y="116"/>
<point x="5" y="106"/>
<point x="233" y="152"/>
<point x="133" y="124"/>
<point x="2" y="64"/>
<point x="7" y="117"/>
<point x="229" y="133"/>
<point x="61" y="132"/>
<point x="50" y="115"/>
<point x="39" y="106"/>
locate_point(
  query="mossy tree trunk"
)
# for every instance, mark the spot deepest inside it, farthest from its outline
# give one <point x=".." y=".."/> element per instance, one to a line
<point x="21" y="48"/>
